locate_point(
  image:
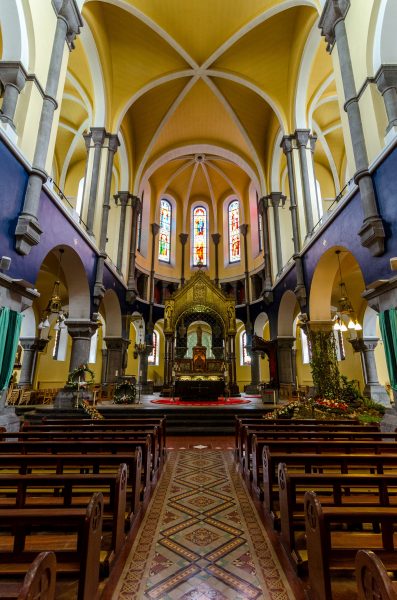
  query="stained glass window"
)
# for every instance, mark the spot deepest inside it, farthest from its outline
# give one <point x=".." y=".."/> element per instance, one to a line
<point x="244" y="353"/>
<point x="152" y="357"/>
<point x="199" y="236"/>
<point x="165" y="230"/>
<point x="139" y="228"/>
<point x="260" y="231"/>
<point x="234" y="231"/>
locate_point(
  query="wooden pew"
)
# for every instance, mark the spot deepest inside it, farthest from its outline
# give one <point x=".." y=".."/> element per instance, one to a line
<point x="115" y="425"/>
<point x="373" y="581"/>
<point x="71" y="490"/>
<point x="312" y="446"/>
<point x="317" y="463"/>
<point x="119" y="447"/>
<point x="332" y="550"/>
<point x="74" y="464"/>
<point x="282" y="431"/>
<point x="332" y="490"/>
<point x="38" y="584"/>
<point x="79" y="548"/>
<point x="95" y="435"/>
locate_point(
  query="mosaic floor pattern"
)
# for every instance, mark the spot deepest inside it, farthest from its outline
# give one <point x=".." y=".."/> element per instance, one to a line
<point x="201" y="538"/>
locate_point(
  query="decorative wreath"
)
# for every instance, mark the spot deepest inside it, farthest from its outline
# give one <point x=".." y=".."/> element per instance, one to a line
<point x="77" y="377"/>
<point x="124" y="393"/>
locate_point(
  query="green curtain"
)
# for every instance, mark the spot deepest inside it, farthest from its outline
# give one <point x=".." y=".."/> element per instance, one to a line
<point x="10" y="328"/>
<point x="388" y="327"/>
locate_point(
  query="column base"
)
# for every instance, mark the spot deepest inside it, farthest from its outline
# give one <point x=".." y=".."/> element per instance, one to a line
<point x="377" y="393"/>
<point x="147" y="388"/>
<point x="372" y="236"/>
<point x="27" y="233"/>
<point x="251" y="388"/>
<point x="131" y="295"/>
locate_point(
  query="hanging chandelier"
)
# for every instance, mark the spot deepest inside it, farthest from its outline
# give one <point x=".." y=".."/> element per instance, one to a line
<point x="344" y="306"/>
<point x="54" y="305"/>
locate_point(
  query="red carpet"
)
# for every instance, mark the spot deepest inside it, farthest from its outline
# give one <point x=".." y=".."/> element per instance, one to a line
<point x="219" y="402"/>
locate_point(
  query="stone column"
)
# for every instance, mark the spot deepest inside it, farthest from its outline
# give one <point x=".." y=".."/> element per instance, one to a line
<point x="132" y="291"/>
<point x="386" y="80"/>
<point x="285" y="360"/>
<point x="332" y="25"/>
<point x="300" y="290"/>
<point x="99" y="289"/>
<point x="155" y="229"/>
<point x="31" y="348"/>
<point x="267" y="289"/>
<point x="373" y="389"/>
<point x="168" y="362"/>
<point x="277" y="198"/>
<point x="116" y="348"/>
<point x="121" y="199"/>
<point x="94" y="140"/>
<point x="231" y="360"/>
<point x="28" y="230"/>
<point x="302" y="138"/>
<point x="81" y="332"/>
<point x="104" y="365"/>
<point x="183" y="237"/>
<point x="12" y="78"/>
<point x="216" y="238"/>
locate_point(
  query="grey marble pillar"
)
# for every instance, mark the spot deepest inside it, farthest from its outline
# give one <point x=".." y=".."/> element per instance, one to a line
<point x="12" y="78"/>
<point x="386" y="80"/>
<point x="285" y="355"/>
<point x="116" y="349"/>
<point x="104" y="365"/>
<point x="136" y="206"/>
<point x="81" y="332"/>
<point x="373" y="389"/>
<point x="94" y="140"/>
<point x="302" y="138"/>
<point x="31" y="348"/>
<point x="277" y="199"/>
<point x="183" y="237"/>
<point x="28" y="230"/>
<point x="263" y="205"/>
<point x="332" y="25"/>
<point x="121" y="199"/>
<point x="216" y="238"/>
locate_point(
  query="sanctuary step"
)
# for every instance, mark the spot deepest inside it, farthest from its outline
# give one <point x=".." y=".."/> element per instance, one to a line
<point x="204" y="420"/>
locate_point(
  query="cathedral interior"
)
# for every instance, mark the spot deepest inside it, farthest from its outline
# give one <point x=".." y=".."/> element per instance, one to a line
<point x="187" y="188"/>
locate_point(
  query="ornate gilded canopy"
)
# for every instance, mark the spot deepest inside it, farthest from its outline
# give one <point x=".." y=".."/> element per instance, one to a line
<point x="202" y="296"/>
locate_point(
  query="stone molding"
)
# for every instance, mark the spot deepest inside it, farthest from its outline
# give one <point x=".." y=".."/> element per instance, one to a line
<point x="333" y="12"/>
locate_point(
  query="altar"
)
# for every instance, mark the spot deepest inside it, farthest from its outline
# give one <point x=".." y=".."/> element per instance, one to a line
<point x="199" y="387"/>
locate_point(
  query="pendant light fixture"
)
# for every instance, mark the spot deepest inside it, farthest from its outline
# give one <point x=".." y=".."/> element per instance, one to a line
<point x="344" y="306"/>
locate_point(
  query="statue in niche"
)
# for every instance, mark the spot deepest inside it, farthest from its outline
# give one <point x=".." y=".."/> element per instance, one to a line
<point x="199" y="336"/>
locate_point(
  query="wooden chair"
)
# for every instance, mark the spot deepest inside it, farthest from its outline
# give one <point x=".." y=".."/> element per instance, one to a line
<point x="25" y="397"/>
<point x="13" y="397"/>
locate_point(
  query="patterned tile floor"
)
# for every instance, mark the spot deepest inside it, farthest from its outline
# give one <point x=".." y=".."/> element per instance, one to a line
<point x="201" y="538"/>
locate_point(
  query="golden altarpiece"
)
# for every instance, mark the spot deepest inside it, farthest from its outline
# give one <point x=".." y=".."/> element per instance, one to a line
<point x="199" y="376"/>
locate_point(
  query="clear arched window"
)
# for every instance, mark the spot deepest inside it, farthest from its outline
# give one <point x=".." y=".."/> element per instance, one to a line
<point x="153" y="357"/>
<point x="79" y="199"/>
<point x="245" y="357"/>
<point x="200" y="236"/>
<point x="165" y="230"/>
<point x="234" y="231"/>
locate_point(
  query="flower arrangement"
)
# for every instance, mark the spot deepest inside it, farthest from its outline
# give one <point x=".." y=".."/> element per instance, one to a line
<point x="77" y="378"/>
<point x="91" y="411"/>
<point x="124" y="393"/>
<point x="333" y="406"/>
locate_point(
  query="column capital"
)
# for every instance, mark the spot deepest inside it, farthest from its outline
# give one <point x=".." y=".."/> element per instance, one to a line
<point x="333" y="12"/>
<point x="216" y="238"/>
<point x="114" y="142"/>
<point x="313" y="140"/>
<point x="364" y="344"/>
<point x="116" y="343"/>
<point x="70" y="13"/>
<point x="81" y="328"/>
<point x="122" y="198"/>
<point x="263" y="203"/>
<point x="96" y="135"/>
<point x="286" y="144"/>
<point x="277" y="199"/>
<point x="244" y="229"/>
<point x="13" y="73"/>
<point x="284" y="341"/>
<point x="155" y="228"/>
<point x="385" y="78"/>
<point x="183" y="237"/>
<point x="302" y="136"/>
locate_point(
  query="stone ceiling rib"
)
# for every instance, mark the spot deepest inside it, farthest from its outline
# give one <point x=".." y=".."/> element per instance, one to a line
<point x="187" y="195"/>
<point x="212" y="195"/>
<point x="177" y="172"/>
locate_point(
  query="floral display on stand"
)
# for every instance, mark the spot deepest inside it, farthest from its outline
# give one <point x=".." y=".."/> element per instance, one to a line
<point x="77" y="378"/>
<point x="125" y="392"/>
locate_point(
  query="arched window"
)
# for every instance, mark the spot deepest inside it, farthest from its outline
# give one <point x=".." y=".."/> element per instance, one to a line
<point x="79" y="200"/>
<point x="139" y="229"/>
<point x="245" y="357"/>
<point x="165" y="230"/>
<point x="234" y="231"/>
<point x="153" y="357"/>
<point x="200" y="236"/>
<point x="260" y="231"/>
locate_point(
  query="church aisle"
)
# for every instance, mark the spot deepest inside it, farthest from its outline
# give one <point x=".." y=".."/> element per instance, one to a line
<point x="202" y="538"/>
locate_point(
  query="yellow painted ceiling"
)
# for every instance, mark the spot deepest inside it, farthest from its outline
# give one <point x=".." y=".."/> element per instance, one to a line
<point x="198" y="72"/>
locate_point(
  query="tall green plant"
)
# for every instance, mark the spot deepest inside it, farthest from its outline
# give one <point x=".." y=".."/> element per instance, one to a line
<point x="324" y="364"/>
